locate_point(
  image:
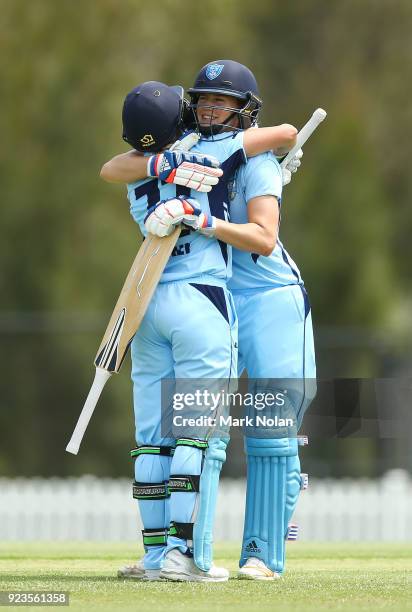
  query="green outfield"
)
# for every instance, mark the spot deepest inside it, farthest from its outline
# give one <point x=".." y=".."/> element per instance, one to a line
<point x="319" y="576"/>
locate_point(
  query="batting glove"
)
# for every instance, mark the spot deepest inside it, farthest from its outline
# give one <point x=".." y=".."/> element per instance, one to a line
<point x="161" y="218"/>
<point x="186" y="141"/>
<point x="193" y="170"/>
<point x="291" y="167"/>
<point x="198" y="220"/>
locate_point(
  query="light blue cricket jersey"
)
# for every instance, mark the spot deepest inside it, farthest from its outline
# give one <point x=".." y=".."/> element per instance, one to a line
<point x="261" y="175"/>
<point x="195" y="256"/>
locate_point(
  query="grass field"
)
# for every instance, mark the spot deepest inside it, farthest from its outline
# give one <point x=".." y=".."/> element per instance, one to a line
<point x="319" y="577"/>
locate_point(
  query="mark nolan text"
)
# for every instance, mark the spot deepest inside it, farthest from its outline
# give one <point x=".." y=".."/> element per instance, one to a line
<point x="229" y="421"/>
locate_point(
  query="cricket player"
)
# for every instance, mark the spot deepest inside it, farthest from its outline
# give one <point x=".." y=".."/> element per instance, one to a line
<point x="275" y="330"/>
<point x="189" y="331"/>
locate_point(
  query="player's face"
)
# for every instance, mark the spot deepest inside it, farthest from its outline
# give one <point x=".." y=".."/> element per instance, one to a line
<point x="213" y="109"/>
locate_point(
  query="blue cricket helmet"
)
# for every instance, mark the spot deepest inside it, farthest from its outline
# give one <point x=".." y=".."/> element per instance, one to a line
<point x="230" y="78"/>
<point x="226" y="77"/>
<point x="153" y="116"/>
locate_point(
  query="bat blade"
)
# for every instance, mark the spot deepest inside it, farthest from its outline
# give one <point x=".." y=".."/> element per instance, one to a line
<point x="134" y="299"/>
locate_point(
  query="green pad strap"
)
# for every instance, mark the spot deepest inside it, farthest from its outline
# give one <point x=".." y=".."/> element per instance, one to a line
<point x="201" y="444"/>
<point x="165" y="451"/>
<point x="183" y="484"/>
<point x="181" y="530"/>
<point x="155" y="537"/>
<point x="150" y="490"/>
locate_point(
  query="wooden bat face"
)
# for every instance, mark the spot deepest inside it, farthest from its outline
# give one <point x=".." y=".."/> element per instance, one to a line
<point x="134" y="299"/>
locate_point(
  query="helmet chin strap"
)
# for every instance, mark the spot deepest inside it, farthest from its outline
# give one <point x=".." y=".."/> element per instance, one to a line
<point x="217" y="128"/>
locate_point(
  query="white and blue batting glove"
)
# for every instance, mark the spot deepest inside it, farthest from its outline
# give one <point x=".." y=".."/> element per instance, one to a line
<point x="186" y="141"/>
<point x="193" y="170"/>
<point x="163" y="216"/>
<point x="291" y="167"/>
<point x="198" y="220"/>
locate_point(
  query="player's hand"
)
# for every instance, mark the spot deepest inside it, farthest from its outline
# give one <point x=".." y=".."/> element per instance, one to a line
<point x="198" y="220"/>
<point x="291" y="167"/>
<point x="193" y="170"/>
<point x="187" y="140"/>
<point x="161" y="218"/>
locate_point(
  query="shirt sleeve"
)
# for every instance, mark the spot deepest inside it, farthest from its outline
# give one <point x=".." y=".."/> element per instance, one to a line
<point x="262" y="176"/>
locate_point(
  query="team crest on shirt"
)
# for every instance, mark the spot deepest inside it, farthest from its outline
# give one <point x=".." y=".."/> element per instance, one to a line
<point x="213" y="71"/>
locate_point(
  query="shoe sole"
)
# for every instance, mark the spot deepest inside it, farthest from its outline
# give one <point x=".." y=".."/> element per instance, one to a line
<point x="255" y="577"/>
<point x="179" y="577"/>
<point x="122" y="577"/>
<point x="142" y="578"/>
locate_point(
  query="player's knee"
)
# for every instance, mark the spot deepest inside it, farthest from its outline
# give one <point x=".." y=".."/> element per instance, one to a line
<point x="152" y="463"/>
<point x="187" y="460"/>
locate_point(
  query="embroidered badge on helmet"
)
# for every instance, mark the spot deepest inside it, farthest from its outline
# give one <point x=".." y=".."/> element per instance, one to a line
<point x="147" y="140"/>
<point x="213" y="71"/>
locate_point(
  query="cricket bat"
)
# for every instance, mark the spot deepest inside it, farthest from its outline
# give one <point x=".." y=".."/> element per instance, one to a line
<point x="128" y="313"/>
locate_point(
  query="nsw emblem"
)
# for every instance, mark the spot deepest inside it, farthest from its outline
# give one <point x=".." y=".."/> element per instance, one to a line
<point x="213" y="71"/>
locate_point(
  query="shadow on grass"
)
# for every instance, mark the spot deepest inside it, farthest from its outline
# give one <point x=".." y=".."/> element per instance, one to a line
<point x="58" y="578"/>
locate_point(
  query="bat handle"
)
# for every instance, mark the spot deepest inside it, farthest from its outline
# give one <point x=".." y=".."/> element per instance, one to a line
<point x="100" y="379"/>
<point x="307" y="130"/>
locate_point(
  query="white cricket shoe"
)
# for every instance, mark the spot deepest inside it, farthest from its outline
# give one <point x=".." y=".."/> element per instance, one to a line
<point x="255" y="569"/>
<point x="138" y="572"/>
<point x="180" y="568"/>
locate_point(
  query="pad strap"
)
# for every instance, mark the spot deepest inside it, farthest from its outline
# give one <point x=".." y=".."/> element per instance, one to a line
<point x="155" y="537"/>
<point x="304" y="481"/>
<point x="183" y="484"/>
<point x="145" y="449"/>
<point x="181" y="530"/>
<point x="292" y="532"/>
<point x="150" y="490"/>
<point x="200" y="444"/>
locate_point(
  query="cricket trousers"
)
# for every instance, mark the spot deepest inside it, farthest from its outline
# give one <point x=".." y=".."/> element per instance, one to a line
<point x="188" y="333"/>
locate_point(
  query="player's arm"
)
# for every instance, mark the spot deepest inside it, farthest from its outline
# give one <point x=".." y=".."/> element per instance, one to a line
<point x="192" y="170"/>
<point x="125" y="168"/>
<point x="279" y="138"/>
<point x="259" y="234"/>
<point x="195" y="171"/>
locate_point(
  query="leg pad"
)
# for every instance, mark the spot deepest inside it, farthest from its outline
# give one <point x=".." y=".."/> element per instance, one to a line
<point x="214" y="458"/>
<point x="273" y="485"/>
